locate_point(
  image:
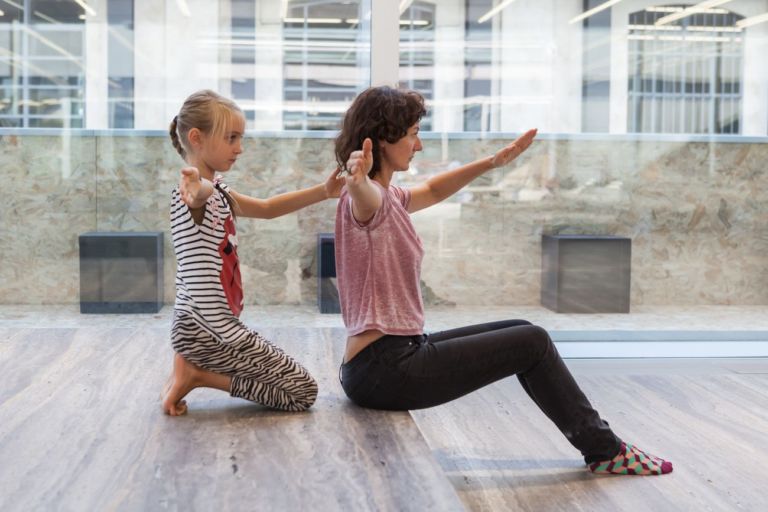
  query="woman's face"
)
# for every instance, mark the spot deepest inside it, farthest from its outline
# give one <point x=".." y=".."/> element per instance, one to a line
<point x="398" y="155"/>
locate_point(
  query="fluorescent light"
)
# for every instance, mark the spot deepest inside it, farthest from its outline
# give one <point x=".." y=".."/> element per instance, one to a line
<point x="654" y="27"/>
<point x="490" y="14"/>
<point x="680" y="9"/>
<point x="52" y="45"/>
<point x="87" y="8"/>
<point x="594" y="10"/>
<point x="184" y="8"/>
<point x="753" y="20"/>
<point x="2" y="13"/>
<point x="45" y="17"/>
<point x="313" y="20"/>
<point x="713" y="29"/>
<point x="414" y="22"/>
<point x="16" y="5"/>
<point x="697" y="39"/>
<point x="668" y="28"/>
<point x="700" y="7"/>
<point x="405" y="4"/>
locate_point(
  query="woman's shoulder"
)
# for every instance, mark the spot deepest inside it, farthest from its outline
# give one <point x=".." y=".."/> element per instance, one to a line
<point x="400" y="194"/>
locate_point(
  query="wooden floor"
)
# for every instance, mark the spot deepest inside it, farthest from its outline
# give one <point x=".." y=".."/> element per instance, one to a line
<point x="81" y="429"/>
<point x="709" y="417"/>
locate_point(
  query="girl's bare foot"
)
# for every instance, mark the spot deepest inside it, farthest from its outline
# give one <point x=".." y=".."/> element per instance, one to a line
<point x="183" y="380"/>
<point x="166" y="386"/>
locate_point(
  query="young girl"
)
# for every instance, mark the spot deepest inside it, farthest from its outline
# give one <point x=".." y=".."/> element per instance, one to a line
<point x="213" y="347"/>
<point x="389" y="362"/>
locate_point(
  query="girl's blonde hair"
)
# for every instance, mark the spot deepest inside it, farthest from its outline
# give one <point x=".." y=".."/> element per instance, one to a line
<point x="209" y="112"/>
<point x="212" y="114"/>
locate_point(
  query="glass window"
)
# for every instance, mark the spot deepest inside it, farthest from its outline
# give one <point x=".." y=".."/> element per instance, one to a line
<point x="685" y="75"/>
<point x="418" y="50"/>
<point x="503" y="66"/>
<point x="42" y="49"/>
<point x="120" y="64"/>
<point x="298" y="69"/>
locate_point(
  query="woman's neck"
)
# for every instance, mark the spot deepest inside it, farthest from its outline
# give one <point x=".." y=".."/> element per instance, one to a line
<point x="384" y="176"/>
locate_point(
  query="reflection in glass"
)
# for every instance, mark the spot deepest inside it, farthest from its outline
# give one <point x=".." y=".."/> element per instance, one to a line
<point x="685" y="76"/>
<point x="42" y="64"/>
<point x="310" y="61"/>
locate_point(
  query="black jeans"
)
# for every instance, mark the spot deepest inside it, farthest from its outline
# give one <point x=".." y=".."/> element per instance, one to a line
<point x="414" y="372"/>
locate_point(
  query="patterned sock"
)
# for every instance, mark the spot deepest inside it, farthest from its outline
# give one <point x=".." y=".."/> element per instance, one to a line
<point x="631" y="461"/>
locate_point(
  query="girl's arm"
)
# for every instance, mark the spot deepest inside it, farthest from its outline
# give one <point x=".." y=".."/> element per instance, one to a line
<point x="366" y="198"/>
<point x="194" y="190"/>
<point x="445" y="184"/>
<point x="281" y="204"/>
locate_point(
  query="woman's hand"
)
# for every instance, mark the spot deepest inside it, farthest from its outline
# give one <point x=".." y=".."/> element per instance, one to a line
<point x="509" y="153"/>
<point x="359" y="163"/>
<point x="334" y="184"/>
<point x="366" y="198"/>
<point x="194" y="190"/>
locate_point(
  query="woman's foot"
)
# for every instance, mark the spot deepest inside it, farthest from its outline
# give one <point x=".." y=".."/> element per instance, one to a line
<point x="631" y="461"/>
<point x="183" y="380"/>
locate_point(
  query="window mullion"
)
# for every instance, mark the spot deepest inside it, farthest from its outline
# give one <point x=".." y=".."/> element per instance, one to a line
<point x="385" y="39"/>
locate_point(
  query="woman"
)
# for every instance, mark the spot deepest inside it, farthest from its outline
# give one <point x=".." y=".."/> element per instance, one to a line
<point x="389" y="362"/>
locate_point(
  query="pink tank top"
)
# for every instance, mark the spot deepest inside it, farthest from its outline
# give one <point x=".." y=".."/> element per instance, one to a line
<point x="378" y="265"/>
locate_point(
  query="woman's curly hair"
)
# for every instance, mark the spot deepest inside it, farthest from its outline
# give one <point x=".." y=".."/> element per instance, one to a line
<point x="381" y="113"/>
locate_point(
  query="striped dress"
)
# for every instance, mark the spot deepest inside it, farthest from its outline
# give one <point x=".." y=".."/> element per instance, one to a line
<point x="206" y="327"/>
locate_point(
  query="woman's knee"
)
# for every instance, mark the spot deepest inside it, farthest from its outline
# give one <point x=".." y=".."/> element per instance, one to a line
<point x="539" y="337"/>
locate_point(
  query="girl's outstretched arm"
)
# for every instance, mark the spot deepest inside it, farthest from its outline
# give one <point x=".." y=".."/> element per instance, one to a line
<point x="445" y="184"/>
<point x="194" y="189"/>
<point x="281" y="204"/>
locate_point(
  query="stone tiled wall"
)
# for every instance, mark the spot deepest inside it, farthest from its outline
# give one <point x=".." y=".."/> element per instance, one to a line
<point x="697" y="213"/>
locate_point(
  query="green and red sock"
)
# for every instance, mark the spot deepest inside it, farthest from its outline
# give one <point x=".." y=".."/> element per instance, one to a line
<point x="631" y="461"/>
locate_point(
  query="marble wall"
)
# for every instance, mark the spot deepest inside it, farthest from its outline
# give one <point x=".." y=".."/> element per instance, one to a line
<point x="697" y="213"/>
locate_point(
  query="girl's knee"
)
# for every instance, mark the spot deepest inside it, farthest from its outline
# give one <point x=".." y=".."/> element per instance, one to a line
<point x="307" y="397"/>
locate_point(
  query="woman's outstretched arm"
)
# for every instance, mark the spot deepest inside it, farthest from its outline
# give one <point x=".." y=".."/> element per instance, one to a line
<point x="366" y="198"/>
<point x="445" y="184"/>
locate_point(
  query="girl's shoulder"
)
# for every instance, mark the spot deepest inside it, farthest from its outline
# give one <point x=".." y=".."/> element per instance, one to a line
<point x="218" y="182"/>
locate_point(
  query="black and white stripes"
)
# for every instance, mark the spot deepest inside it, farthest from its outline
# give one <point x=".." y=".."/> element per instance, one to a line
<point x="199" y="291"/>
<point x="261" y="372"/>
<point x="206" y="329"/>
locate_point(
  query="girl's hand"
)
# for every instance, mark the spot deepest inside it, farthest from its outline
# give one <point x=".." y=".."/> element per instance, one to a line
<point x="333" y="184"/>
<point x="193" y="189"/>
<point x="509" y="153"/>
<point x="360" y="163"/>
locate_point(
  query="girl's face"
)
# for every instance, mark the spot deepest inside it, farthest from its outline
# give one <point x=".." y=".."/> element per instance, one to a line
<point x="219" y="152"/>
<point x="398" y="155"/>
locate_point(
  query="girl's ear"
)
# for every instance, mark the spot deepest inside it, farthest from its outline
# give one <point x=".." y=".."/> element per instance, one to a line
<point x="195" y="137"/>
